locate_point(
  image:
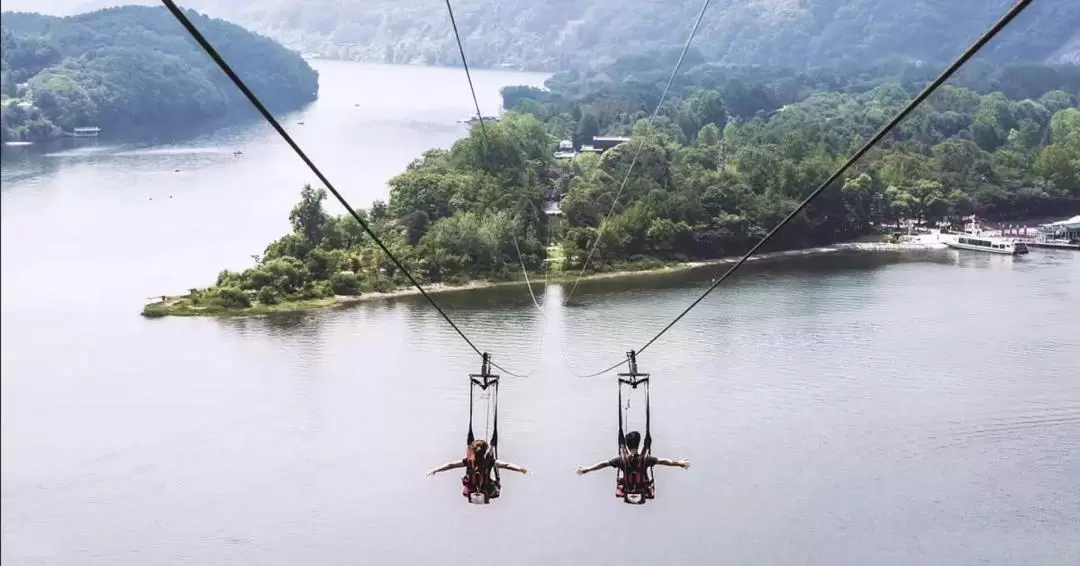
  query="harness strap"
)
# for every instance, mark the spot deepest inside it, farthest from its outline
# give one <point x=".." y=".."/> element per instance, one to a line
<point x="622" y="434"/>
<point x="619" y="477"/>
<point x="635" y="465"/>
<point x="469" y="438"/>
<point x="481" y="470"/>
<point x="495" y="437"/>
<point x="647" y="445"/>
<point x="646" y="448"/>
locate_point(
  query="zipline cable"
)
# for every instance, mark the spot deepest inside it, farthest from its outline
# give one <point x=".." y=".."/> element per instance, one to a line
<point x="540" y="306"/>
<point x="524" y="271"/>
<point x="593" y="374"/>
<point x="532" y="294"/>
<point x="213" y="53"/>
<point x="468" y="75"/>
<point x="517" y="249"/>
<point x="648" y="129"/>
<point x="483" y="133"/>
<point x="485" y="154"/>
<point x="911" y="106"/>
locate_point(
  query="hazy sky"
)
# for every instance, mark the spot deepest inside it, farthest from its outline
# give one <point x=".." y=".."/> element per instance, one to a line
<point x="65" y="7"/>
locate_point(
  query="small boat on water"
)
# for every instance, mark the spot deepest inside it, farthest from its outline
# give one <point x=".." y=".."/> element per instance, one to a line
<point x="90" y="132"/>
<point x="474" y="120"/>
<point x="989" y="244"/>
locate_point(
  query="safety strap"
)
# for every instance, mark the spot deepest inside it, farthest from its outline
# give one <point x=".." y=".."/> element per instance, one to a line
<point x="646" y="446"/>
<point x="623" y="452"/>
<point x="484" y="380"/>
<point x="469" y="438"/>
<point x="633" y="379"/>
<point x="622" y="434"/>
<point x="495" y="436"/>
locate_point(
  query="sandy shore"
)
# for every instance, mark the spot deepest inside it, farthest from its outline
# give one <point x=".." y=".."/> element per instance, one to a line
<point x="922" y="243"/>
<point x="174" y="306"/>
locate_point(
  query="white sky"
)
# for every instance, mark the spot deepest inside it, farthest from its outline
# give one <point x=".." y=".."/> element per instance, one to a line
<point x="67" y="7"/>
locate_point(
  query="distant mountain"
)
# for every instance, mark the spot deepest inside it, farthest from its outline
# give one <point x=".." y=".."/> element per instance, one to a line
<point x="73" y="7"/>
<point x="565" y="34"/>
<point x="134" y="69"/>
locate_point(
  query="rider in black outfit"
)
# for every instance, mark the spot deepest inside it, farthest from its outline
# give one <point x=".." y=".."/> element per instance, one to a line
<point x="633" y="442"/>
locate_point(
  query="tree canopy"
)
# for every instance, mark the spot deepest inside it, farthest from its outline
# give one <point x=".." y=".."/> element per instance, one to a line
<point x="733" y="152"/>
<point x="135" y="69"/>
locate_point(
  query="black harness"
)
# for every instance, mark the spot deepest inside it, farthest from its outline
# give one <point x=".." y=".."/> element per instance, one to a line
<point x="634" y="481"/>
<point x="478" y="474"/>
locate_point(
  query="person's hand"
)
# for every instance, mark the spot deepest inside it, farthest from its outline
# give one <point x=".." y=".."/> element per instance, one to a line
<point x="581" y="470"/>
<point x="431" y="472"/>
<point x="684" y="463"/>
<point x="524" y="471"/>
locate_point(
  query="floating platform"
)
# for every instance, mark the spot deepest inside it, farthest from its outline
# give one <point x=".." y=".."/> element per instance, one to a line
<point x="1054" y="245"/>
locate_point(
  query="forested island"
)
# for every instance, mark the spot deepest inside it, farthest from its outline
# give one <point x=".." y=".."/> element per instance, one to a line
<point x="566" y="34"/>
<point x="134" y="71"/>
<point x="732" y="152"/>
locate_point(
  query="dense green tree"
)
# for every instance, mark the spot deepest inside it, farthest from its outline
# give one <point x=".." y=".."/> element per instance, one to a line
<point x="587" y="128"/>
<point x="308" y="218"/>
<point x="134" y="71"/>
<point x="701" y="181"/>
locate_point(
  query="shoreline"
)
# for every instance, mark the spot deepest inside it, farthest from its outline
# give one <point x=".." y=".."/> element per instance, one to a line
<point x="172" y="305"/>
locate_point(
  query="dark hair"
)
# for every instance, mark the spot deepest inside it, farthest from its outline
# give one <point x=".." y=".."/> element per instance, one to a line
<point x="633" y="439"/>
<point x="479" y="448"/>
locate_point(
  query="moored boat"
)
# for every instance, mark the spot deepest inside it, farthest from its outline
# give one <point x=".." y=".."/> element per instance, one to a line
<point x="989" y="244"/>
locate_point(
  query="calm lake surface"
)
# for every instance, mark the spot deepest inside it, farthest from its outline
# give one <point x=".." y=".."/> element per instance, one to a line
<point x="839" y="410"/>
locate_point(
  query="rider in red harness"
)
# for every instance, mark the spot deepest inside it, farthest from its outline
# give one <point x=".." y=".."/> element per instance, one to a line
<point x="634" y="467"/>
<point x="479" y="463"/>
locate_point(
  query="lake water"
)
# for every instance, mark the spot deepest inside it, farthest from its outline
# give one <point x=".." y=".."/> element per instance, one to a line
<point x="917" y="409"/>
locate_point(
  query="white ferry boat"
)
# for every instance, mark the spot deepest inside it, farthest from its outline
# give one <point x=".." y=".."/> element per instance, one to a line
<point x="90" y="132"/>
<point x="987" y="244"/>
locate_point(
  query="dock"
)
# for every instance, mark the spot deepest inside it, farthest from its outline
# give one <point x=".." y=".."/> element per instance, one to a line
<point x="1050" y="244"/>
<point x="1060" y="235"/>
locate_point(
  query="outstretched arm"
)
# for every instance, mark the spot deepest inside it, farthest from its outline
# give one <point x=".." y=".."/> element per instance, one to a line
<point x="512" y="467"/>
<point x="582" y="470"/>
<point x="446" y="466"/>
<point x="684" y="463"/>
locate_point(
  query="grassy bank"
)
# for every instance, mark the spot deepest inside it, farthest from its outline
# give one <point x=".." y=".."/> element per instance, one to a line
<point x="185" y="305"/>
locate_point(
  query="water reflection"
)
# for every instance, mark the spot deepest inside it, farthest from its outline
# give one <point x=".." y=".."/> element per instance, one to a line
<point x="762" y="272"/>
<point x="276" y="324"/>
<point x="511" y="296"/>
<point x="836" y="408"/>
<point x="981" y="260"/>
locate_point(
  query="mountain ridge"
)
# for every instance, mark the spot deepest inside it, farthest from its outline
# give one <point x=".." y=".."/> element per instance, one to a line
<point x="133" y="70"/>
<point x="577" y="34"/>
<point x="562" y="34"/>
